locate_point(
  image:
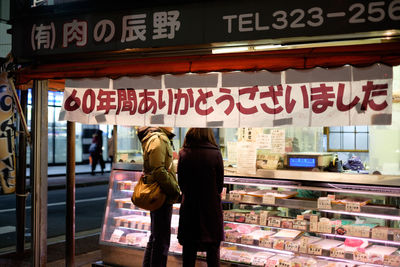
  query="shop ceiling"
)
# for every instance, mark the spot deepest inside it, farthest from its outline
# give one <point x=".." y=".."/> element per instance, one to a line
<point x="83" y="41"/>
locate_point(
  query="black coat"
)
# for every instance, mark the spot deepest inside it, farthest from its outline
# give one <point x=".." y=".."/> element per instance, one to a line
<point x="201" y="177"/>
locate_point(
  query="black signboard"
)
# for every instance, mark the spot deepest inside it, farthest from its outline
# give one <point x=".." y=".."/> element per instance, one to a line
<point x="199" y="23"/>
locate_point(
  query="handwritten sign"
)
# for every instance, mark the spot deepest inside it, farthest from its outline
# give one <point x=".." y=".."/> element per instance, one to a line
<point x="264" y="141"/>
<point x="278" y="141"/>
<point x="246" y="163"/>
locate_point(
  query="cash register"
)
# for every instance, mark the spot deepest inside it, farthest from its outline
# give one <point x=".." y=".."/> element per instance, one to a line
<point x="309" y="160"/>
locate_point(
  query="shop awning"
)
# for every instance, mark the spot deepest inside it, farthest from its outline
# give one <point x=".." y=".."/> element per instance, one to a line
<point x="278" y="60"/>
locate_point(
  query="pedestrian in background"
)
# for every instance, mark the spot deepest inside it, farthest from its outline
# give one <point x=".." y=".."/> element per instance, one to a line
<point x="96" y="151"/>
<point x="157" y="166"/>
<point x="110" y="147"/>
<point x="201" y="177"/>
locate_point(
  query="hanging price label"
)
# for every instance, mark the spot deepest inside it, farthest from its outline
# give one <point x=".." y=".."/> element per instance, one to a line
<point x="324" y="203"/>
<point x="353" y="206"/>
<point x="360" y="256"/>
<point x="337" y="253"/>
<point x="268" y="199"/>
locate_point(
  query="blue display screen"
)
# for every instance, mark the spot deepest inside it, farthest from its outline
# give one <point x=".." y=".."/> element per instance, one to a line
<point x="302" y="162"/>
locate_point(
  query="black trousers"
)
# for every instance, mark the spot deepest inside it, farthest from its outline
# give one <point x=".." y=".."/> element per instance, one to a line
<point x="156" y="253"/>
<point x="190" y="253"/>
<point x="97" y="158"/>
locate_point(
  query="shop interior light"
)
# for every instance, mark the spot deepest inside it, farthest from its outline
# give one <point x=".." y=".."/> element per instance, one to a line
<point x="267" y="47"/>
<point x="387" y="242"/>
<point x="279" y="251"/>
<point x="359" y="214"/>
<point x="230" y="50"/>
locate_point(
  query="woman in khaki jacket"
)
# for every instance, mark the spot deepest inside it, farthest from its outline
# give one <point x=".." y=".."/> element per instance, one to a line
<point x="157" y="166"/>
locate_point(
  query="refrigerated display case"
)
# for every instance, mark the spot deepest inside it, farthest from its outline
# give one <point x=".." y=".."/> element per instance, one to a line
<point x="274" y="218"/>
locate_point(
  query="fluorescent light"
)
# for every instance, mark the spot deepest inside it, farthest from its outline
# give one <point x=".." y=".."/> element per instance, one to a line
<point x="265" y="47"/>
<point x="379" y="216"/>
<point x="230" y="50"/>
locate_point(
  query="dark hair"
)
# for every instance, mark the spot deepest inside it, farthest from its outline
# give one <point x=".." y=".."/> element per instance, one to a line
<point x="199" y="135"/>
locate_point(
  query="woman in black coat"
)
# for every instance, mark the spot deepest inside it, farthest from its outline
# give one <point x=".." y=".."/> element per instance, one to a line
<point x="200" y="177"/>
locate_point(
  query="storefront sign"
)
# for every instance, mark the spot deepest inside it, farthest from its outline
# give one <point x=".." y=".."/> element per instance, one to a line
<point x="7" y="138"/>
<point x="366" y="102"/>
<point x="197" y="23"/>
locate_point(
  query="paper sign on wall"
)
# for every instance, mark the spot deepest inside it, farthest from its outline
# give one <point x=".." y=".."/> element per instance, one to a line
<point x="246" y="163"/>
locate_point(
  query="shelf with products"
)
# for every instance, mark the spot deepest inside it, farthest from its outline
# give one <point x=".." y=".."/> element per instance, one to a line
<point x="126" y="227"/>
<point x="362" y="232"/>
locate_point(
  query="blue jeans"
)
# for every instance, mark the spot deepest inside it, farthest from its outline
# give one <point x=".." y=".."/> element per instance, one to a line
<point x="156" y="253"/>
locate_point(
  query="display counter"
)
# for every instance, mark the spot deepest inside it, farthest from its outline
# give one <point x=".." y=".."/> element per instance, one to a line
<point x="274" y="218"/>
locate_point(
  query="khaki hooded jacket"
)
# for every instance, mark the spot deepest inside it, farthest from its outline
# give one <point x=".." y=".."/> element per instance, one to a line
<point x="157" y="160"/>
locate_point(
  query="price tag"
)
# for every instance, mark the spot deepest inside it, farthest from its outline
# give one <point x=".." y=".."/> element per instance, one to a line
<point x="235" y="196"/>
<point x="353" y="206"/>
<point x="284" y="263"/>
<point x="380" y="233"/>
<point x="226" y="215"/>
<point x="300" y="225"/>
<point x="314" y="218"/>
<point x="360" y="256"/>
<point x="356" y="231"/>
<point x="391" y="260"/>
<point x="324" y="203"/>
<point x="246" y="239"/>
<point x="292" y="246"/>
<point x="337" y="253"/>
<point x="303" y="248"/>
<point x="252" y="218"/>
<point x="396" y="235"/>
<point x="266" y="243"/>
<point x="314" y="249"/>
<point x="274" y="222"/>
<point x="313" y="227"/>
<point x="268" y="199"/>
<point x="365" y="231"/>
<point x="264" y="217"/>
<point x="324" y="227"/>
<point x="231" y="237"/>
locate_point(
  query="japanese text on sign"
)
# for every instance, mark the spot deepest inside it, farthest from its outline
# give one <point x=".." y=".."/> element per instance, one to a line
<point x="257" y="106"/>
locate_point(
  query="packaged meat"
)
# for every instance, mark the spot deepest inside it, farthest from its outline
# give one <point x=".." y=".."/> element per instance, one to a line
<point x="261" y="258"/>
<point x="287" y="234"/>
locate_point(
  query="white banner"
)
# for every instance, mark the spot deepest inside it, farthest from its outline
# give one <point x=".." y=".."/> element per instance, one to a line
<point x="322" y="103"/>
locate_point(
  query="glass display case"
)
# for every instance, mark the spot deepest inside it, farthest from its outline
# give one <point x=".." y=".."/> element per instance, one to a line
<point x="275" y="218"/>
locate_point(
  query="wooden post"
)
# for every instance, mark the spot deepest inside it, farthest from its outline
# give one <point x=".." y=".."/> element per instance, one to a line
<point x="39" y="169"/>
<point x="70" y="218"/>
